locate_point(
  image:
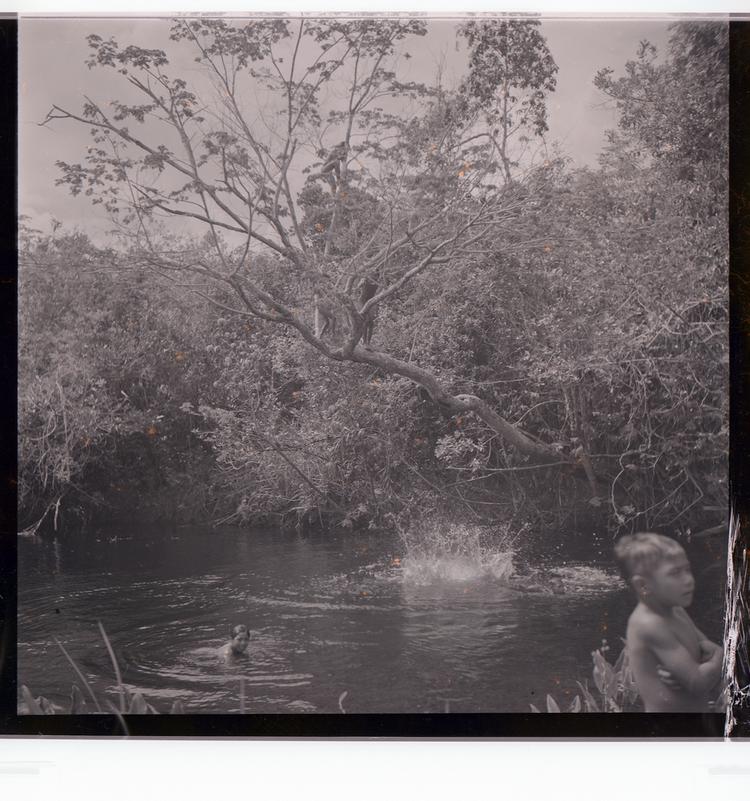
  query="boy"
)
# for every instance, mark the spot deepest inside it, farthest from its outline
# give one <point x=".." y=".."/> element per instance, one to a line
<point x="661" y="637"/>
<point x="237" y="646"/>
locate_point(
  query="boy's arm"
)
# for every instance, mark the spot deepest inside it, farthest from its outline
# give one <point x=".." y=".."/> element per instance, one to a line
<point x="707" y="647"/>
<point x="693" y="676"/>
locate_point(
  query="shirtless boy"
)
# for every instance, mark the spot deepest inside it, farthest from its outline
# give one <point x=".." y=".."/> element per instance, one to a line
<point x="237" y="646"/>
<point x="661" y="636"/>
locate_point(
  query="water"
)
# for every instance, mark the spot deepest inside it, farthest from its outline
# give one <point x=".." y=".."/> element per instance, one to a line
<point x="397" y="632"/>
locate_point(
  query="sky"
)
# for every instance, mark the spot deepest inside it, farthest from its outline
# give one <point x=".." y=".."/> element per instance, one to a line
<point x="52" y="70"/>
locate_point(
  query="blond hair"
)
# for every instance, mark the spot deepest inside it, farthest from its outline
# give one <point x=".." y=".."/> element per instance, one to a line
<point x="642" y="552"/>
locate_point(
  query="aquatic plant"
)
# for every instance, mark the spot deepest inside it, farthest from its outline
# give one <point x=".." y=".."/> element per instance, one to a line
<point x="614" y="687"/>
<point x="130" y="703"/>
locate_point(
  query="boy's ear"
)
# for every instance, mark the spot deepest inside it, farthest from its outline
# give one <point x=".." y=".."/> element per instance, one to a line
<point x="639" y="584"/>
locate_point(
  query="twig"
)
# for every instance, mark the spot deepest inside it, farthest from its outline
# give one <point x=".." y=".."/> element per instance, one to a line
<point x="80" y="675"/>
<point x="118" y="676"/>
<point x="119" y="715"/>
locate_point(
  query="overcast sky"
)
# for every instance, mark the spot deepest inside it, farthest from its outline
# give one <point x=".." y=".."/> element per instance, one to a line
<point x="53" y="71"/>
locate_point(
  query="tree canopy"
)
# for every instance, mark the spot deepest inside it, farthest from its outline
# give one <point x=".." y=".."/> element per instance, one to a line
<point x="351" y="233"/>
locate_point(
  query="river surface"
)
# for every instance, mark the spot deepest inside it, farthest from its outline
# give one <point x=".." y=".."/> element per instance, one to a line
<point x="328" y="615"/>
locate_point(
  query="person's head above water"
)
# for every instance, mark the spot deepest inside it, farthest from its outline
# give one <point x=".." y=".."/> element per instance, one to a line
<point x="656" y="567"/>
<point x="240" y="639"/>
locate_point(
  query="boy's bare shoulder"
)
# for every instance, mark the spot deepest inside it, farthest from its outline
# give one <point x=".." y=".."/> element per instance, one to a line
<point x="648" y="627"/>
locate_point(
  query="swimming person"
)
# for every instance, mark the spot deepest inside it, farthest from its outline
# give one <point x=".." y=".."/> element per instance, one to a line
<point x="661" y="637"/>
<point x="237" y="646"/>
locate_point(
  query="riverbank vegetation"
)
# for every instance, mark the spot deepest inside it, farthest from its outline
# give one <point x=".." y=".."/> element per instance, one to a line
<point x="83" y="701"/>
<point x="442" y="315"/>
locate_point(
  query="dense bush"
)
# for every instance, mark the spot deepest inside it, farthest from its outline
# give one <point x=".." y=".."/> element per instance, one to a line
<point x="593" y="319"/>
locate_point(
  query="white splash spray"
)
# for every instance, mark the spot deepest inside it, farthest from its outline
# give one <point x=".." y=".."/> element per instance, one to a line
<point x="452" y="552"/>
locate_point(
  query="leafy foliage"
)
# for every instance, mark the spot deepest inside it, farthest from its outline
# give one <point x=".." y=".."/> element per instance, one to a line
<point x="130" y="703"/>
<point x="103" y="371"/>
<point x="511" y="71"/>
<point x="614" y="688"/>
<point x="540" y="343"/>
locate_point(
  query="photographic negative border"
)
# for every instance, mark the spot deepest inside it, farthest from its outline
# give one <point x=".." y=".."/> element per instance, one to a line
<point x="737" y="634"/>
<point x="451" y="725"/>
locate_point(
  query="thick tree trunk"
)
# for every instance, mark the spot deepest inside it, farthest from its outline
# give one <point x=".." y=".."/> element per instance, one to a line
<point x="512" y="435"/>
<point x="353" y="351"/>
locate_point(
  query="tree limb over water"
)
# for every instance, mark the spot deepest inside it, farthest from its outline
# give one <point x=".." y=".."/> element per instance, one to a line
<point x="433" y="194"/>
<point x="334" y="233"/>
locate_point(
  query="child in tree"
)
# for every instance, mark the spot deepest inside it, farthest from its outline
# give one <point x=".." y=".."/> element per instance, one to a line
<point x="237" y="646"/>
<point x="676" y="667"/>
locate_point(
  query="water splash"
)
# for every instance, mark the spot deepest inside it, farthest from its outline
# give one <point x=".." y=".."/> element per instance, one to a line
<point x="426" y="569"/>
<point x="440" y="552"/>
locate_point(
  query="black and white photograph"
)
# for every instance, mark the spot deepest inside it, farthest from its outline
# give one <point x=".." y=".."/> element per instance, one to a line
<point x="372" y="365"/>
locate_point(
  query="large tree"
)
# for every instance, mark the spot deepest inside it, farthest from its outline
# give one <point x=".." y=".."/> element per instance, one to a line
<point x="299" y="139"/>
<point x="350" y="232"/>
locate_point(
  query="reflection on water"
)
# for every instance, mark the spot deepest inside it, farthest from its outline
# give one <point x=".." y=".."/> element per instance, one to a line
<point x="397" y="632"/>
